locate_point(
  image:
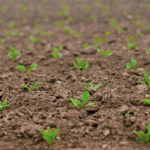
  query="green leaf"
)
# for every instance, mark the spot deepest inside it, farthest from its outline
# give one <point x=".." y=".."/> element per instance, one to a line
<point x="147" y="78"/>
<point x="147" y="101"/>
<point x="5" y="103"/>
<point x="142" y="82"/>
<point x="54" y="134"/>
<point x="79" y="61"/>
<point x="85" y="97"/>
<point x="21" y="67"/>
<point x="33" y="66"/>
<point x="75" y="102"/>
<point x="85" y="65"/>
<point x="108" y="53"/>
<point x="75" y="65"/>
<point x="89" y="104"/>
<point x="88" y="84"/>
<point x="35" y="85"/>
<point x="128" y="65"/>
<point x="25" y="86"/>
<point x="97" y="86"/>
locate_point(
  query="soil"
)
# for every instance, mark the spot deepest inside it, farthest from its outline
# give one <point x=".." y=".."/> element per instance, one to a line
<point x="103" y="125"/>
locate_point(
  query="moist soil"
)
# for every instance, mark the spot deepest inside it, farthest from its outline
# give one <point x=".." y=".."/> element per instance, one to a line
<point x="104" y="125"/>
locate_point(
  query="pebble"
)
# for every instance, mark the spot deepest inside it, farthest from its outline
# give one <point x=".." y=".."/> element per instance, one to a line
<point x="124" y="109"/>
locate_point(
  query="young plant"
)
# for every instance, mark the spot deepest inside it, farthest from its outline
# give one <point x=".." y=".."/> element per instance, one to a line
<point x="105" y="54"/>
<point x="13" y="53"/>
<point x="148" y="51"/>
<point x="92" y="17"/>
<point x="21" y="67"/>
<point x="12" y="25"/>
<point x="98" y="40"/>
<point x="48" y="135"/>
<point x="35" y="85"/>
<point x="56" y="53"/>
<point x="30" y="47"/>
<point x="79" y="104"/>
<point x="69" y="31"/>
<point x="133" y="65"/>
<point x="108" y="33"/>
<point x="60" y="24"/>
<point x="85" y="46"/>
<point x="121" y="29"/>
<point x="147" y="80"/>
<point x="4" y="105"/>
<point x="2" y="41"/>
<point x="33" y="39"/>
<point x="113" y="22"/>
<point x="82" y="66"/>
<point x="91" y="85"/>
<point x="143" y="137"/>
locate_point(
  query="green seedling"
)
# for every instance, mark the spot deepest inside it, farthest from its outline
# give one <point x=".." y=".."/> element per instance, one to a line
<point x="139" y="33"/>
<point x="70" y="19"/>
<point x="143" y="137"/>
<point x="133" y="65"/>
<point x="38" y="31"/>
<point x="88" y="8"/>
<point x="85" y="46"/>
<point x="21" y="67"/>
<point x="2" y="41"/>
<point x="48" y="33"/>
<point x="45" y="18"/>
<point x="17" y="15"/>
<point x="82" y="66"/>
<point x="92" y="17"/>
<point x="69" y="31"/>
<point x="65" y="11"/>
<point x="98" y="40"/>
<point x="30" y="48"/>
<point x="148" y="51"/>
<point x="15" y="33"/>
<point x="91" y="85"/>
<point x="48" y="135"/>
<point x="108" y="33"/>
<point x="131" y="39"/>
<point x="33" y="39"/>
<point x="12" y="25"/>
<point x="5" y="9"/>
<point x="56" y="51"/>
<point x="113" y="22"/>
<point x="147" y="101"/>
<point x="105" y="54"/>
<point x="4" y="105"/>
<point x="147" y="80"/>
<point x="121" y="29"/>
<point x="31" y="90"/>
<point x="79" y="104"/>
<point x="23" y="8"/>
<point x="103" y="7"/>
<point x="13" y="53"/>
<point x="148" y="27"/>
<point x="96" y="46"/>
<point x="60" y="24"/>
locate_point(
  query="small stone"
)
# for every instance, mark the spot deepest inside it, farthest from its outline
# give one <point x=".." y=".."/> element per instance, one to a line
<point x="93" y="108"/>
<point x="147" y="96"/>
<point x="104" y="146"/>
<point x="124" y="109"/>
<point x="125" y="74"/>
<point x="106" y="132"/>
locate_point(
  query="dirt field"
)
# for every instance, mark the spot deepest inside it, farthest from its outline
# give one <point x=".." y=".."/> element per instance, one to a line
<point x="118" y="108"/>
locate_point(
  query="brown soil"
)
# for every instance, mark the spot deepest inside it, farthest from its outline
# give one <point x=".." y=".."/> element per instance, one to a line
<point x="100" y="126"/>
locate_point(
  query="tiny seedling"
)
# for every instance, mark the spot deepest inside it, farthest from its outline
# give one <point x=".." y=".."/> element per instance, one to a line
<point x="79" y="104"/>
<point x="70" y="31"/>
<point x="4" y="105"/>
<point x="56" y="53"/>
<point x="60" y="24"/>
<point x="133" y="65"/>
<point x="139" y="33"/>
<point x="143" y="137"/>
<point x="98" y="40"/>
<point x="12" y="25"/>
<point x="91" y="85"/>
<point x="92" y="17"/>
<point x="108" y="33"/>
<point x="35" y="85"/>
<point x="48" y="135"/>
<point x="147" y="80"/>
<point x="85" y="46"/>
<point x="121" y="29"/>
<point x="2" y="41"/>
<point x="21" y="67"/>
<point x="82" y="66"/>
<point x="30" y="47"/>
<point x="148" y="27"/>
<point x="13" y="53"/>
<point x="33" y="39"/>
<point x="148" y="51"/>
<point x="105" y="54"/>
<point x="113" y="22"/>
